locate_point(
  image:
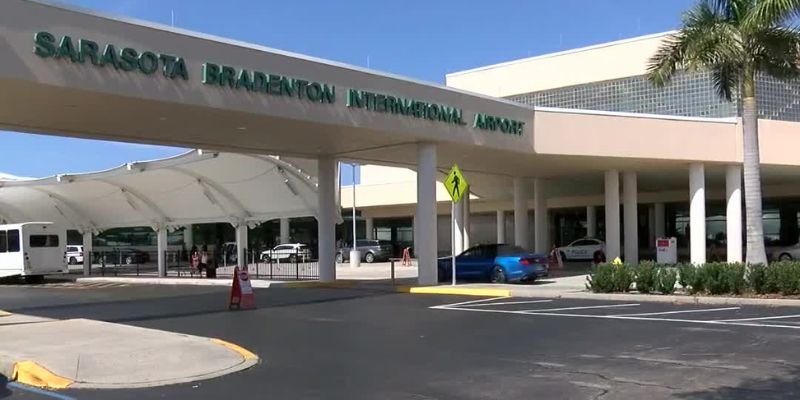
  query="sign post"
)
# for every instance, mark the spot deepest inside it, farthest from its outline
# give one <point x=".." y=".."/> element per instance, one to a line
<point x="456" y="186"/>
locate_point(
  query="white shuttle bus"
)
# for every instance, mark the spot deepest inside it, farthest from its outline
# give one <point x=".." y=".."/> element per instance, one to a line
<point x="32" y="250"/>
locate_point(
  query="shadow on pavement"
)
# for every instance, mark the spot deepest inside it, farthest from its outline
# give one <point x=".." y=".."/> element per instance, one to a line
<point x="188" y="305"/>
<point x="786" y="386"/>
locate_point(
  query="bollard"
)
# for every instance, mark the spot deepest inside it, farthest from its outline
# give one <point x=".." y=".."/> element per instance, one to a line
<point x="392" y="267"/>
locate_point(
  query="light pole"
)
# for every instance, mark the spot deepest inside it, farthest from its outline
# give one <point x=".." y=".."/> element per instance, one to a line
<point x="355" y="256"/>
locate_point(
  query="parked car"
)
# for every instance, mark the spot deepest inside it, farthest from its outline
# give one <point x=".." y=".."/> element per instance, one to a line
<point x="74" y="255"/>
<point x="371" y="251"/>
<point x="497" y="263"/>
<point x="581" y="249"/>
<point x="784" y="253"/>
<point x="291" y="252"/>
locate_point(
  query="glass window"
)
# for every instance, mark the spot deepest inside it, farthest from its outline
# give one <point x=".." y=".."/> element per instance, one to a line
<point x="43" y="241"/>
<point x="13" y="241"/>
<point x="508" y="249"/>
<point x="3" y="245"/>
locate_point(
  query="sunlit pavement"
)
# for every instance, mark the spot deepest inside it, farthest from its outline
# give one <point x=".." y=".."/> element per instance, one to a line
<point x="368" y="344"/>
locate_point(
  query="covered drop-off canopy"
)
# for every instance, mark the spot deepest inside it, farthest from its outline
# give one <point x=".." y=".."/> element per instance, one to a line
<point x="194" y="187"/>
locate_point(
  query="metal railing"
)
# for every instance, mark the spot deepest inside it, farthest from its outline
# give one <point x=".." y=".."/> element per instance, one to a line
<point x="115" y="262"/>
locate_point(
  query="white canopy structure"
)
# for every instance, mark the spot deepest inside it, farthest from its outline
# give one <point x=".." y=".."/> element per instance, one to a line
<point x="195" y="187"/>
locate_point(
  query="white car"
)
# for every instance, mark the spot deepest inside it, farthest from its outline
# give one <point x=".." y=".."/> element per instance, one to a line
<point x="787" y="253"/>
<point x="74" y="255"/>
<point x="581" y="249"/>
<point x="291" y="252"/>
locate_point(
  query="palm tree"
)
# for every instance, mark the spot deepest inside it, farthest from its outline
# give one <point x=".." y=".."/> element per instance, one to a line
<point x="736" y="41"/>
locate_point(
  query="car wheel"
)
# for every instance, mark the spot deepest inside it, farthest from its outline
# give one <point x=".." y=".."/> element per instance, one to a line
<point x="498" y="275"/>
<point x="73" y="261"/>
<point x="785" y="257"/>
<point x="339" y="258"/>
<point x="369" y="258"/>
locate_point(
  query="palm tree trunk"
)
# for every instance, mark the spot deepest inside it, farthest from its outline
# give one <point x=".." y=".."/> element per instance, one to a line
<point x="756" y="254"/>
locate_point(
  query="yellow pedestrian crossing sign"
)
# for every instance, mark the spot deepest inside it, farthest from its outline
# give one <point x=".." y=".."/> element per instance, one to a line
<point x="456" y="184"/>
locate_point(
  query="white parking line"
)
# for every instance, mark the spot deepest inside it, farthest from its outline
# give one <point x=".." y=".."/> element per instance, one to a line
<point x="581" y="308"/>
<point x="761" y="318"/>
<point x="617" y="317"/>
<point x="678" y="312"/>
<point x="505" y="303"/>
<point x="469" y="302"/>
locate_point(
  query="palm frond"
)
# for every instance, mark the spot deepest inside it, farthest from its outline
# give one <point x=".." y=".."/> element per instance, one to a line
<point x="706" y="39"/>
<point x="776" y="52"/>
<point x="768" y="13"/>
<point x="725" y="77"/>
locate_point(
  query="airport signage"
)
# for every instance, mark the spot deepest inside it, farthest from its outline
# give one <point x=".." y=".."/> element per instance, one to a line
<point x="173" y="67"/>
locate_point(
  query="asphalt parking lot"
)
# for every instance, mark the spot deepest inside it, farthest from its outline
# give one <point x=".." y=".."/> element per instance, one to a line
<point x="371" y="344"/>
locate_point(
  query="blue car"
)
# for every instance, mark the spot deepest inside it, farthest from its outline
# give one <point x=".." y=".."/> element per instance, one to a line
<point x="497" y="263"/>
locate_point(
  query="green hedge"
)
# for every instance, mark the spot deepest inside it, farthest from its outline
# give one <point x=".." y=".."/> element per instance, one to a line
<point x="711" y="278"/>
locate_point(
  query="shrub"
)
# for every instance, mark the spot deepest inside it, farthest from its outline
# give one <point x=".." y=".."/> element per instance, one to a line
<point x="623" y="277"/>
<point x="772" y="280"/>
<point x="735" y="277"/>
<point x="696" y="279"/>
<point x="757" y="279"/>
<point x="608" y="278"/>
<point x="601" y="279"/>
<point x="788" y="276"/>
<point x="646" y="277"/>
<point x="665" y="280"/>
<point x="713" y="277"/>
<point x="686" y="273"/>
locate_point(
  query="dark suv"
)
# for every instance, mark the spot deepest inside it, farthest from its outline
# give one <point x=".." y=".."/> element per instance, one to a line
<point x="371" y="251"/>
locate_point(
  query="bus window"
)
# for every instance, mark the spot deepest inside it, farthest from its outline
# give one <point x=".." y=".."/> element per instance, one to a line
<point x="13" y="241"/>
<point x="3" y="247"/>
<point x="44" y="240"/>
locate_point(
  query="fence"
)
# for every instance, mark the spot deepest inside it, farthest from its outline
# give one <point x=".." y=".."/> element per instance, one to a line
<point x="295" y="265"/>
<point x="117" y="262"/>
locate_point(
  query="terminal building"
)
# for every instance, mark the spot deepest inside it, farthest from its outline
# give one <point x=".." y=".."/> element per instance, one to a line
<point x="555" y="147"/>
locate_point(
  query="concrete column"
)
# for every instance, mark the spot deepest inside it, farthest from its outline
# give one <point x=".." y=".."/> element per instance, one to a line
<point x="697" y="213"/>
<point x="161" y="241"/>
<point x="467" y="224"/>
<point x="612" y="214"/>
<point x="427" y="244"/>
<point x="458" y="233"/>
<point x="660" y="216"/>
<point x="370" y="222"/>
<point x="326" y="220"/>
<point x="521" y="213"/>
<point x="501" y="226"/>
<point x="284" y="232"/>
<point x="241" y="245"/>
<point x="591" y="221"/>
<point x="188" y="237"/>
<point x="540" y="219"/>
<point x="733" y="218"/>
<point x="651" y="227"/>
<point x="631" y="218"/>
<point x="87" y="253"/>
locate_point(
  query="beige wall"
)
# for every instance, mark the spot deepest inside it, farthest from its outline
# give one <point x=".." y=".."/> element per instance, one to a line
<point x="591" y="64"/>
<point x="636" y="136"/>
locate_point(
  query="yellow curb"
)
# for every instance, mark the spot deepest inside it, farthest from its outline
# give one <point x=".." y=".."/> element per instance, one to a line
<point x="315" y="284"/>
<point x="33" y="374"/>
<point x="4" y="313"/>
<point x="457" y="291"/>
<point x="246" y="354"/>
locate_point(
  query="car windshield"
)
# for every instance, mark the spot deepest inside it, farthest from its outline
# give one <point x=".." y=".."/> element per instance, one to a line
<point x="504" y="250"/>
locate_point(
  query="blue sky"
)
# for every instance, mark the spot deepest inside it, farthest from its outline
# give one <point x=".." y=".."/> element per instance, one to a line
<point x="417" y="38"/>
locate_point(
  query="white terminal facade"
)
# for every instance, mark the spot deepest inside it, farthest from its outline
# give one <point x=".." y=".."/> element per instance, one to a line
<point x="555" y="147"/>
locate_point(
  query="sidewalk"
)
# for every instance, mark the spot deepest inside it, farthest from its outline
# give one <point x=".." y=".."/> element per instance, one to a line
<point x="81" y="353"/>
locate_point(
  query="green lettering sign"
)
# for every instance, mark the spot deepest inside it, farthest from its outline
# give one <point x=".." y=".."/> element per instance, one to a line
<point x="492" y="123"/>
<point x="384" y="103"/>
